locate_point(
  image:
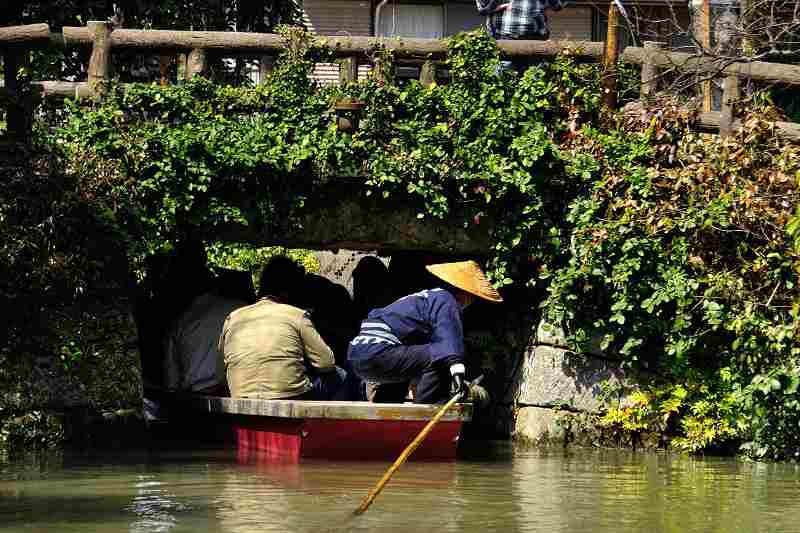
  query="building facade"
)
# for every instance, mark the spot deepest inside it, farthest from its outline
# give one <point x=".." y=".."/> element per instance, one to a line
<point x="663" y="20"/>
<point x="579" y="20"/>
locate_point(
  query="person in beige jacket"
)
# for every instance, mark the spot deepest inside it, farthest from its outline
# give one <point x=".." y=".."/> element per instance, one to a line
<point x="271" y="349"/>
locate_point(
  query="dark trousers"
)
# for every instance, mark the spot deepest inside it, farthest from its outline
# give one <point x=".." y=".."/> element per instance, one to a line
<point x="394" y="367"/>
<point x="326" y="386"/>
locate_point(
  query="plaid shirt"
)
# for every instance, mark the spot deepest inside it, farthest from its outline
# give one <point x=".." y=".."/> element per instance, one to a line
<point x="523" y="19"/>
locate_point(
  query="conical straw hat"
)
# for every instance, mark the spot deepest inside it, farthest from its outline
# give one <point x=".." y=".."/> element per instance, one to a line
<point x="467" y="276"/>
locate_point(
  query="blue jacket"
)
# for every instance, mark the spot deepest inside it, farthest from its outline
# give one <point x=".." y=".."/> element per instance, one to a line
<point x="431" y="317"/>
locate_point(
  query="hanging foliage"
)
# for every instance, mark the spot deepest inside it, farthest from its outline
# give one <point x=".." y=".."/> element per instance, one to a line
<point x="668" y="247"/>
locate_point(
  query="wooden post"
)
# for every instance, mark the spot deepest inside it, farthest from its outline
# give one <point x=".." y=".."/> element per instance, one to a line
<point x="649" y="70"/>
<point x="383" y="69"/>
<point x="19" y="117"/>
<point x="195" y="63"/>
<point x="182" y="66"/>
<point x="100" y="60"/>
<point x="706" y="41"/>
<point x="427" y="74"/>
<point x="265" y="67"/>
<point x="730" y="95"/>
<point x="163" y="69"/>
<point x="745" y="17"/>
<point x="348" y="70"/>
<point x="609" y="85"/>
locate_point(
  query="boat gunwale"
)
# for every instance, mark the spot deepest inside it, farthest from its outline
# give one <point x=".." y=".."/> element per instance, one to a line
<point x="331" y="410"/>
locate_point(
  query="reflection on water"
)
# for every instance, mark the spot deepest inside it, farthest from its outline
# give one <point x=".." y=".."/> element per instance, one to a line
<point x="154" y="505"/>
<point x="604" y="491"/>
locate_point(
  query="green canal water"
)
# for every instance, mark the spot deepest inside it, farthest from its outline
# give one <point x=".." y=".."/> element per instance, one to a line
<point x="501" y="490"/>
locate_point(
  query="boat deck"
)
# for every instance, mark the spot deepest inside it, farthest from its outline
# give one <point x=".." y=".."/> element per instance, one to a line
<point x="327" y="410"/>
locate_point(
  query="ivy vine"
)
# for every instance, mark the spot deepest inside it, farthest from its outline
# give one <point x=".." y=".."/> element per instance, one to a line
<point x="668" y="247"/>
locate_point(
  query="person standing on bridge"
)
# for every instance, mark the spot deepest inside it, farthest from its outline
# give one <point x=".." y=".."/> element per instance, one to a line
<point x="420" y="337"/>
<point x="518" y="19"/>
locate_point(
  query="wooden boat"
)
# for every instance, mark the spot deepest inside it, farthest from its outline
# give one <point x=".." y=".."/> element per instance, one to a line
<point x="288" y="430"/>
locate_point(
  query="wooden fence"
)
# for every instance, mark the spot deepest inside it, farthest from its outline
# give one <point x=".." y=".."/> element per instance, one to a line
<point x="18" y="98"/>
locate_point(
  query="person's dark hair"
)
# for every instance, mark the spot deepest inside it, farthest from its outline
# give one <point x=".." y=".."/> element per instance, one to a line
<point x="372" y="286"/>
<point x="371" y="270"/>
<point x="408" y="274"/>
<point x="235" y="284"/>
<point x="314" y="291"/>
<point x="187" y="275"/>
<point x="280" y="277"/>
<point x="189" y="264"/>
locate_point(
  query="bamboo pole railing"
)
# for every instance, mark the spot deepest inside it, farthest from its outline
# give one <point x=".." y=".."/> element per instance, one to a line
<point x="16" y="41"/>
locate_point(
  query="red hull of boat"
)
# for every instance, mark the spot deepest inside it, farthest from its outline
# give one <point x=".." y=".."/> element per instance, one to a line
<point x="276" y="439"/>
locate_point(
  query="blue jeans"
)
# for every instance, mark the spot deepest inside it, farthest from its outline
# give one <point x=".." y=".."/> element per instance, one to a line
<point x="396" y="365"/>
<point x="327" y="386"/>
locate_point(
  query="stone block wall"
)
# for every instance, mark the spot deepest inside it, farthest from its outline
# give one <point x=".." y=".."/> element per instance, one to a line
<point x="557" y="393"/>
<point x="338" y="266"/>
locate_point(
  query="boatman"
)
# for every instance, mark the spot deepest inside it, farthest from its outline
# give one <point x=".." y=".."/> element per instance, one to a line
<point x="420" y="337"/>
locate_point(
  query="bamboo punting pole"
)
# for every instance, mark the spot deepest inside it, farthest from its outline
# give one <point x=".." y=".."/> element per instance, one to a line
<point x="403" y="456"/>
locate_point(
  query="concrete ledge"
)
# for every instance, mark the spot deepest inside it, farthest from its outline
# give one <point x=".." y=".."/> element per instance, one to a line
<point x="329" y="410"/>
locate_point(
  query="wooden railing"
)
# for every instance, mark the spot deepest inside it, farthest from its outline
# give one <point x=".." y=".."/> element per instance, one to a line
<point x="103" y="39"/>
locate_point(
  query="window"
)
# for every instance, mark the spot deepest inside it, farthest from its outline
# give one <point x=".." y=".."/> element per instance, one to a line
<point x="461" y="16"/>
<point x="411" y="20"/>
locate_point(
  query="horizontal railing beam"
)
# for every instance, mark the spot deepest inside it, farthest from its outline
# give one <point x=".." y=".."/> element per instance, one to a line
<point x="342" y="46"/>
<point x="755" y="70"/>
<point x="709" y="122"/>
<point x="30" y="35"/>
<point x="53" y="89"/>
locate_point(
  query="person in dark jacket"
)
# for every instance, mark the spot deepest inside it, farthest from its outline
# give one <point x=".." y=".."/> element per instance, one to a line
<point x="420" y="337"/>
<point x="372" y="287"/>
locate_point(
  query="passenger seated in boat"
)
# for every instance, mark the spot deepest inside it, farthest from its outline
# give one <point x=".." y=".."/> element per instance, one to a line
<point x="420" y="337"/>
<point x="272" y="349"/>
<point x="236" y="284"/>
<point x="331" y="311"/>
<point x="372" y="286"/>
<point x="191" y="356"/>
<point x="408" y="274"/>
